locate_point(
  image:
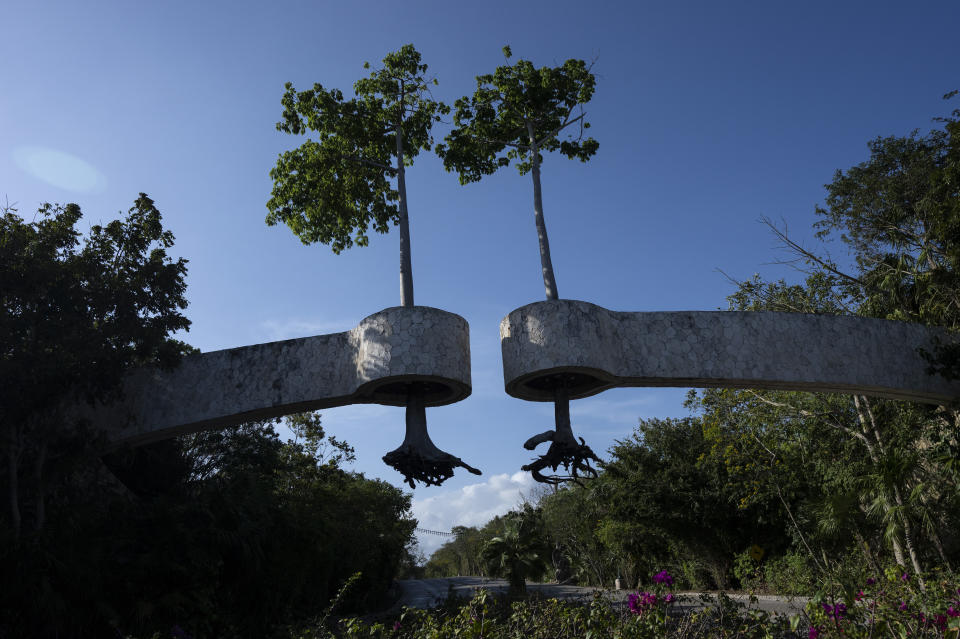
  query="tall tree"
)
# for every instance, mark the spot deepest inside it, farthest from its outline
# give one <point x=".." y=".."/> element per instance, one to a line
<point x="898" y="213"/>
<point x="517" y="114"/>
<point x="324" y="190"/>
<point x="339" y="185"/>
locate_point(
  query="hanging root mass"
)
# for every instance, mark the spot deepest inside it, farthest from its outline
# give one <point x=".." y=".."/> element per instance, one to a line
<point x="566" y="452"/>
<point x="432" y="468"/>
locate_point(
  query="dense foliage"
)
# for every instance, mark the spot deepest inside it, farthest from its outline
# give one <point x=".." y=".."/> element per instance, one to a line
<point x="340" y="183"/>
<point x="222" y="533"/>
<point x="517" y="114"/>
<point x="75" y="313"/>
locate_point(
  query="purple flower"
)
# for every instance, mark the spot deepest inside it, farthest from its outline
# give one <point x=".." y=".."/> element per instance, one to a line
<point x="663" y="578"/>
<point x="871" y="581"/>
<point x="904" y="577"/>
<point x="396" y="626"/>
<point x="903" y="606"/>
<point x="669" y="597"/>
<point x="835" y="612"/>
<point x="953" y="612"/>
<point x="642" y="601"/>
<point x="940" y="621"/>
<point x="859" y="595"/>
<point x="814" y="633"/>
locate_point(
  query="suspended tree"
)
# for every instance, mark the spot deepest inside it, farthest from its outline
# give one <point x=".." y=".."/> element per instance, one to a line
<point x="517" y="114"/>
<point x="334" y="189"/>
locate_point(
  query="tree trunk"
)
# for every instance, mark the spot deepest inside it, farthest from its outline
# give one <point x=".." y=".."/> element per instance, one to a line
<point x="868" y="425"/>
<point x="561" y="413"/>
<point x="908" y="535"/>
<point x="939" y="546"/>
<point x="546" y="265"/>
<point x="406" y="269"/>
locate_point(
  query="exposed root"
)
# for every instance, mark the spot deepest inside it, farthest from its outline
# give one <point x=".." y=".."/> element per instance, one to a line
<point x="564" y="449"/>
<point x="418" y="458"/>
<point x="432" y="468"/>
<point x="573" y="457"/>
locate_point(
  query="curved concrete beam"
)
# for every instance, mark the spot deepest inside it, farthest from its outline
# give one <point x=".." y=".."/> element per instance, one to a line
<point x="370" y="364"/>
<point x="597" y="349"/>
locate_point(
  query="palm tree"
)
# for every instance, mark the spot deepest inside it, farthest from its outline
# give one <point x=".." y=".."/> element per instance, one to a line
<point x="516" y="553"/>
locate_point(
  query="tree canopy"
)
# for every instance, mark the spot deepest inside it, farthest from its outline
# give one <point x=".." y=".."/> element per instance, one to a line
<point x="517" y="114"/>
<point x="78" y="311"/>
<point x="333" y="189"/>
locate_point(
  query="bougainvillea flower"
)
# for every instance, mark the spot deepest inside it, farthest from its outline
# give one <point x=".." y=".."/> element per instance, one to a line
<point x="663" y="578"/>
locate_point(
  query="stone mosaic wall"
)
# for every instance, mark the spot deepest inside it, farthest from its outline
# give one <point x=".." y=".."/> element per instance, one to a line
<point x="602" y="349"/>
<point x="368" y="364"/>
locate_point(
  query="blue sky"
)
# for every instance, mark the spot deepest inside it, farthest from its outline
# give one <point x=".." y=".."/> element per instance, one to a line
<point x="709" y="115"/>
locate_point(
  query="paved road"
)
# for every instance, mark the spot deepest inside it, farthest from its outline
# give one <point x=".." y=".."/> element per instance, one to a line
<point x="425" y="593"/>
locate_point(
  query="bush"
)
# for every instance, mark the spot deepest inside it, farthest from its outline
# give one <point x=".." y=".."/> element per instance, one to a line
<point x="790" y="575"/>
<point x="747" y="571"/>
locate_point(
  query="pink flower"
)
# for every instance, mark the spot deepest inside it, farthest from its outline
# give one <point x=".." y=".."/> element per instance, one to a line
<point x="663" y="578"/>
<point x="814" y="633"/>
<point x="396" y="626"/>
<point x="641" y="602"/>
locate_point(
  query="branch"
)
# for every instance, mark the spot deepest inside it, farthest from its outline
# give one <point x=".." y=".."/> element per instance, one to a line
<point x="797" y="248"/>
<point x="373" y="163"/>
<point x="786" y="506"/>
<point x="567" y="123"/>
<point x="766" y="298"/>
<point x="829" y="418"/>
<point x="522" y="147"/>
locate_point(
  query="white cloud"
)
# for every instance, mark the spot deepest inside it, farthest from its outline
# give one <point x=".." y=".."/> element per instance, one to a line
<point x="60" y="169"/>
<point x="472" y="505"/>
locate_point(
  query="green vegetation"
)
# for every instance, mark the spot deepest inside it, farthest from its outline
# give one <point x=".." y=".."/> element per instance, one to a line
<point x="222" y="533"/>
<point x="890" y="606"/>
<point x="324" y="190"/>
<point x="516" y="114"/>
<point x="785" y="491"/>
<point x="517" y="552"/>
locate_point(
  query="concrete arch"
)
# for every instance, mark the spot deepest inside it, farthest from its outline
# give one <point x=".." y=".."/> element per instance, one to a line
<point x="597" y="349"/>
<point x="372" y="363"/>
